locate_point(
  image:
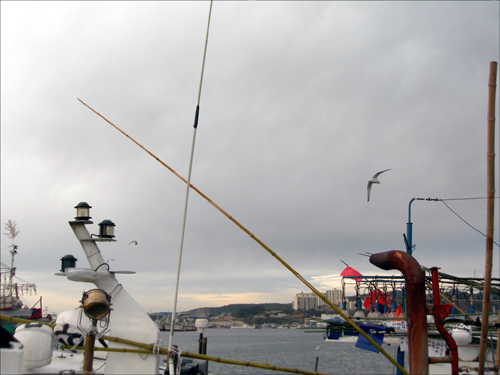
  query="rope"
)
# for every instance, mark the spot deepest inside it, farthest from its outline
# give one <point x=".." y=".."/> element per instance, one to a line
<point x="461" y="218"/>
<point x="465" y="199"/>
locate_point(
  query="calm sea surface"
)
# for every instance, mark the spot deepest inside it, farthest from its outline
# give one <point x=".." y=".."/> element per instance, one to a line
<point x="292" y="348"/>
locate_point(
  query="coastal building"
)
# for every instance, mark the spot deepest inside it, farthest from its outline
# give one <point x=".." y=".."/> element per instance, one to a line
<point x="305" y="301"/>
<point x="310" y="301"/>
<point x="334" y="296"/>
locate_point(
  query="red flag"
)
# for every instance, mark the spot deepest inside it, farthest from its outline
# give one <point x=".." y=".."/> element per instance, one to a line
<point x="398" y="311"/>
<point x="370" y="300"/>
<point x="349" y="271"/>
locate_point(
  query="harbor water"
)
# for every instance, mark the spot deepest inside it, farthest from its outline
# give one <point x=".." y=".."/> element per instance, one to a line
<point x="291" y="348"/>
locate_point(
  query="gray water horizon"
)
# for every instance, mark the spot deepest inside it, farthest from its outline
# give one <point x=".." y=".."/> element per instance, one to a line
<point x="291" y="348"/>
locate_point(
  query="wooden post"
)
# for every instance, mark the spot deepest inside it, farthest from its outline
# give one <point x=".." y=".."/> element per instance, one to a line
<point x="204" y="346"/>
<point x="200" y="344"/>
<point x="88" y="359"/>
<point x="490" y="215"/>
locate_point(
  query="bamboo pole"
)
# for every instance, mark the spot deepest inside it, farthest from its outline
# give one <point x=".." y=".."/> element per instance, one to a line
<point x="25" y="321"/>
<point x="286" y="265"/>
<point x="165" y="351"/>
<point x="247" y="364"/>
<point x="151" y="349"/>
<point x="490" y="215"/>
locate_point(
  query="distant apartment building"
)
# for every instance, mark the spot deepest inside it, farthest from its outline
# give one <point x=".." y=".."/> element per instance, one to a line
<point x="310" y="301"/>
<point x="305" y="301"/>
<point x="334" y="296"/>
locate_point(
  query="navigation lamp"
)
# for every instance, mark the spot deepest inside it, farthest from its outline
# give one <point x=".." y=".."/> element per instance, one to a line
<point x="96" y="303"/>
<point x="68" y="261"/>
<point x="106" y="229"/>
<point x="83" y="211"/>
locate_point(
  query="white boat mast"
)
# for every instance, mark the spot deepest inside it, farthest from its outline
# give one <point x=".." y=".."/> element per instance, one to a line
<point x="9" y="299"/>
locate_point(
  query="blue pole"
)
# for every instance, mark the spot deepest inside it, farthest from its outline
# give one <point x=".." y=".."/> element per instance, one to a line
<point x="401" y="360"/>
<point x="409" y="224"/>
<point x="409" y="230"/>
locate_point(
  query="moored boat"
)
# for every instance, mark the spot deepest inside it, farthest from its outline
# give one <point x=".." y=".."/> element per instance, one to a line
<point x="179" y="328"/>
<point x="244" y="326"/>
<point x="11" y="304"/>
<point x="107" y="312"/>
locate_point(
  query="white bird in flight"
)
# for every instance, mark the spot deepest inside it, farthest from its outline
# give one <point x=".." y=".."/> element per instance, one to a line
<point x="374" y="180"/>
<point x="134" y="242"/>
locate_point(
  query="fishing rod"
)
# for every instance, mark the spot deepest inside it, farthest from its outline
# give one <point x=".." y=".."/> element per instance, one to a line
<point x="183" y="229"/>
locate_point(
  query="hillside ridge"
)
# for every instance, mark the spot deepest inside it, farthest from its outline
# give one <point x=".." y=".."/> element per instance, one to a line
<point x="235" y="307"/>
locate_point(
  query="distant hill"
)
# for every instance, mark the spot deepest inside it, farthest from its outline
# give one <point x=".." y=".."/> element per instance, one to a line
<point x="234" y="308"/>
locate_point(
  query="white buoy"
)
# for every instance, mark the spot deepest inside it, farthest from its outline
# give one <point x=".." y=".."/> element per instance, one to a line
<point x="462" y="334"/>
<point x="37" y="341"/>
<point x="201" y="324"/>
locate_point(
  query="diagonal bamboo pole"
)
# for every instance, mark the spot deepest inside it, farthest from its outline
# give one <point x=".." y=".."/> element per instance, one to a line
<point x="312" y="288"/>
<point x="164" y="351"/>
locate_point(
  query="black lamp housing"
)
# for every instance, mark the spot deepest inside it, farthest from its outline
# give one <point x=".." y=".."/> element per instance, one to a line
<point x="68" y="261"/>
<point x="83" y="211"/>
<point x="106" y="229"/>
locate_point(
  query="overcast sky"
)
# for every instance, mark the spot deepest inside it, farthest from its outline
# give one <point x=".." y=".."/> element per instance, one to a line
<point x="302" y="102"/>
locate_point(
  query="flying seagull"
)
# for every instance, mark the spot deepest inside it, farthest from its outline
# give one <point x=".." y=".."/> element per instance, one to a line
<point x="134" y="242"/>
<point x="374" y="180"/>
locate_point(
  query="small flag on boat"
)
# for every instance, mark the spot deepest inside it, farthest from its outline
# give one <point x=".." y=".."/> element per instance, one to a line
<point x="375" y="332"/>
<point x="398" y="311"/>
<point x="349" y="271"/>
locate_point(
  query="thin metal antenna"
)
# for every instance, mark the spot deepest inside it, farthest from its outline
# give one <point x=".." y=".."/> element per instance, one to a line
<point x="172" y="325"/>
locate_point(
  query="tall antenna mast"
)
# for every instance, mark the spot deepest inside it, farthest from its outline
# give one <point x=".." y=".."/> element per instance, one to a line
<point x="195" y="127"/>
<point x="11" y="233"/>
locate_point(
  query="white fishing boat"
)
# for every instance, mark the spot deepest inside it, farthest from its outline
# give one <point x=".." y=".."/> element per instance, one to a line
<point x="244" y="326"/>
<point x="179" y="327"/>
<point x="12" y="288"/>
<point x="109" y="333"/>
<point x="107" y="311"/>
